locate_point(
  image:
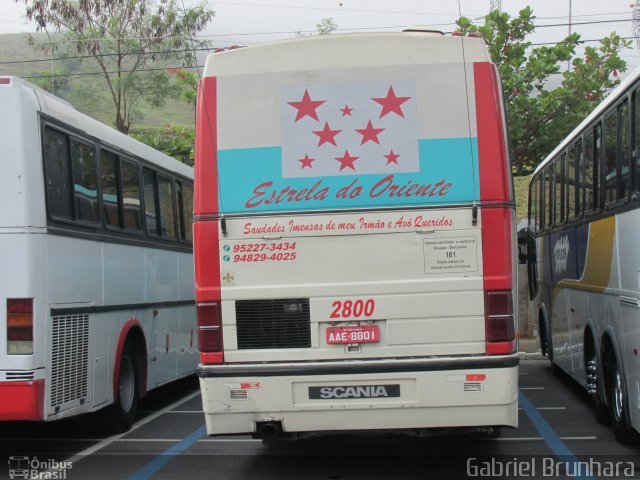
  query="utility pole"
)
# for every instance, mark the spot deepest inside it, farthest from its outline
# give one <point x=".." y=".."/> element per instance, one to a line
<point x="495" y="5"/>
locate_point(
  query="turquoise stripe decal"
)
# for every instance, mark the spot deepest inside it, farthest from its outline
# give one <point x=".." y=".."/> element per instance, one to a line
<point x="251" y="181"/>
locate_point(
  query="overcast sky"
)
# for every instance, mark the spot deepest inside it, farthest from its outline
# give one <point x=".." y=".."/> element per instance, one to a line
<point x="253" y="21"/>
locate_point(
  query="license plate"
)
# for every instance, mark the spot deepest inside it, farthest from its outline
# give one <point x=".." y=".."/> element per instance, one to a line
<point x="353" y="334"/>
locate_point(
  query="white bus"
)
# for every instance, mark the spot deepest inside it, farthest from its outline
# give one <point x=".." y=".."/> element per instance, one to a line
<point x="584" y="260"/>
<point x="96" y="290"/>
<point x="354" y="237"/>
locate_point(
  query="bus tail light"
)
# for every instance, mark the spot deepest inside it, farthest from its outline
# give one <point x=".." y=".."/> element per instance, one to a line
<point x="210" y="332"/>
<point x="499" y="322"/>
<point x="20" y="326"/>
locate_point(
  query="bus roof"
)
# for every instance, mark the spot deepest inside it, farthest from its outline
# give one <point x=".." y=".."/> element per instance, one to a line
<point x="597" y="111"/>
<point x="309" y="53"/>
<point x="64" y="111"/>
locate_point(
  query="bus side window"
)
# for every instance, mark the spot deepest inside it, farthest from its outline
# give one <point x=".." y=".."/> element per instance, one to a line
<point x="625" y="150"/>
<point x="150" y="201"/>
<point x="540" y="201"/>
<point x="533" y="205"/>
<point x="57" y="174"/>
<point x="167" y="216"/>
<point x="610" y="186"/>
<point x="131" y="205"/>
<point x="548" y="197"/>
<point x="559" y="190"/>
<point x="109" y="188"/>
<point x="637" y="139"/>
<point x="571" y="183"/>
<point x="85" y="182"/>
<point x="184" y="207"/>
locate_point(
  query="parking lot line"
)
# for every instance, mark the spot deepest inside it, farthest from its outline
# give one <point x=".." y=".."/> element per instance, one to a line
<point x="107" y="441"/>
<point x="165" y="457"/>
<point x="550" y="437"/>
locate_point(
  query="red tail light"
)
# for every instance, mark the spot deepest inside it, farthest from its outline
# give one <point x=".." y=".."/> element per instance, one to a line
<point x="20" y="326"/>
<point x="499" y="322"/>
<point x="210" y="332"/>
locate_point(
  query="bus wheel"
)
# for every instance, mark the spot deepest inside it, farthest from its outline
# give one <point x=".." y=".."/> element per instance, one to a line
<point x="593" y="388"/>
<point x="618" y="403"/>
<point x="118" y="417"/>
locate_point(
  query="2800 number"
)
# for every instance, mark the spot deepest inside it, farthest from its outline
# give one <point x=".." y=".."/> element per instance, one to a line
<point x="353" y="308"/>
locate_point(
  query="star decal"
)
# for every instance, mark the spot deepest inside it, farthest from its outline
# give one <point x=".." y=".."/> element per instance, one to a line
<point x="306" y="107"/>
<point x="346" y="161"/>
<point x="327" y="135"/>
<point x="306" y="161"/>
<point x="370" y="133"/>
<point x="346" y="110"/>
<point x="391" y="103"/>
<point x="391" y="158"/>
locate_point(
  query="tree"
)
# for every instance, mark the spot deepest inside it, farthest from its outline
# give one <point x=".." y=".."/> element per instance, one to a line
<point x="539" y="116"/>
<point x="124" y="38"/>
<point x="326" y="26"/>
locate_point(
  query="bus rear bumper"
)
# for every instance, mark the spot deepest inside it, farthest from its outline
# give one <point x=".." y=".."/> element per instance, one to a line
<point x="380" y="395"/>
<point x="22" y="400"/>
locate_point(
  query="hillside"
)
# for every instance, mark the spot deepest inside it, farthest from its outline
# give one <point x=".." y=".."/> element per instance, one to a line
<point x="88" y="93"/>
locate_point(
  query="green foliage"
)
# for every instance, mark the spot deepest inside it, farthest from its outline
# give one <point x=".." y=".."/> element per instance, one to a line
<point x="124" y="38"/>
<point x="326" y="26"/>
<point x="53" y="81"/>
<point x="175" y="141"/>
<point x="187" y="85"/>
<point x="539" y="117"/>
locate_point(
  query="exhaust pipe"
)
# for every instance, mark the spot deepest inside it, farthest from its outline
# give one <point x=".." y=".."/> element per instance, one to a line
<point x="268" y="429"/>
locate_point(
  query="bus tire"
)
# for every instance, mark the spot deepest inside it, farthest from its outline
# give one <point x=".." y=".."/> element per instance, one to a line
<point x="594" y="382"/>
<point x="119" y="416"/>
<point x="619" y="406"/>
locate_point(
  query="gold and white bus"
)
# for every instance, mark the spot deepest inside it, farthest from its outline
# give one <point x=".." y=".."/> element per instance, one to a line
<point x="584" y="256"/>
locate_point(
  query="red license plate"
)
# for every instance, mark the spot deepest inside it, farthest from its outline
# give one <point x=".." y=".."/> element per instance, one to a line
<point x="353" y="334"/>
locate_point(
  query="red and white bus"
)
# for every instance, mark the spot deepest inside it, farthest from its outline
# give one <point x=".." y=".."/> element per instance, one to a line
<point x="96" y="291"/>
<point x="354" y="237"/>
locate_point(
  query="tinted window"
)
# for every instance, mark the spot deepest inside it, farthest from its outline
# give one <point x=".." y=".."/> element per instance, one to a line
<point x="625" y="151"/>
<point x="150" y="193"/>
<point x="548" y="188"/>
<point x="610" y="160"/>
<point x="167" y="219"/>
<point x="571" y="183"/>
<point x="85" y="183"/>
<point x="558" y="193"/>
<point x="58" y="176"/>
<point x="109" y="187"/>
<point x="131" y="208"/>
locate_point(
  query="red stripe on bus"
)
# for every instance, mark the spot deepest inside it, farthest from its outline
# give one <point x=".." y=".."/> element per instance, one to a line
<point x="127" y="327"/>
<point x="205" y="195"/>
<point x="22" y="400"/>
<point x="205" y="232"/>
<point x="495" y="179"/>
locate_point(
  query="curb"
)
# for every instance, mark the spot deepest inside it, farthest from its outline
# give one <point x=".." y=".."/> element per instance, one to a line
<point x="530" y="356"/>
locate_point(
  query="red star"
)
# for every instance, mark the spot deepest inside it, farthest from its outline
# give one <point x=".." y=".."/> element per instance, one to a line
<point x="391" y="103"/>
<point x="306" y="161"/>
<point x="391" y="158"/>
<point x="369" y="133"/>
<point x="327" y="135"/>
<point x="306" y="107"/>
<point x="346" y="110"/>
<point x="346" y="161"/>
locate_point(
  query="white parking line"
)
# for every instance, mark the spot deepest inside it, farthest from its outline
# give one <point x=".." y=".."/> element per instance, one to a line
<point x="536" y="439"/>
<point x="547" y="408"/>
<point x="113" y="438"/>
